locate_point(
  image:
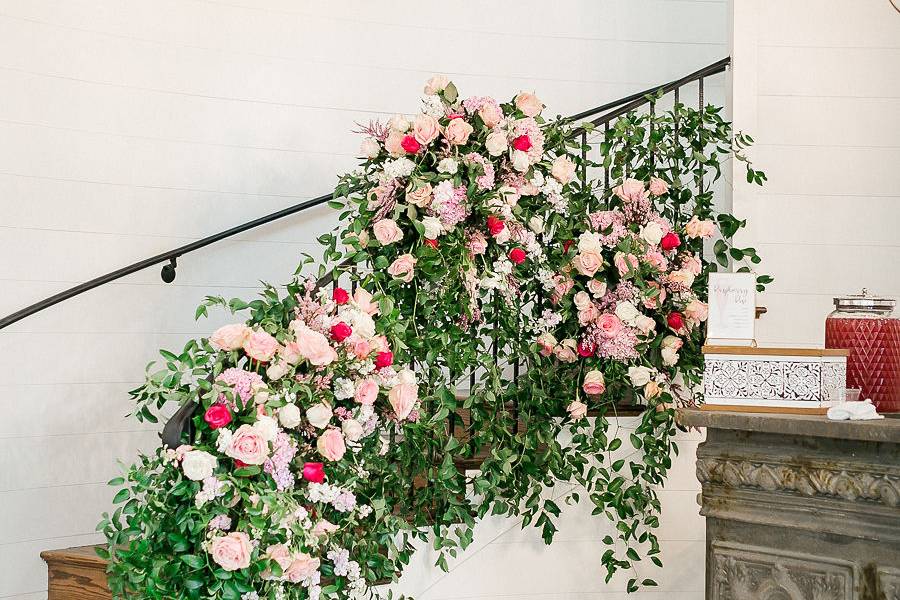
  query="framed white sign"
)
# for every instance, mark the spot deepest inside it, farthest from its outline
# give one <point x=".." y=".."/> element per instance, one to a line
<point x="732" y="309"/>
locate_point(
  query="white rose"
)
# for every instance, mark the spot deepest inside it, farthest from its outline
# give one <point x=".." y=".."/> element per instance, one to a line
<point x="520" y="161"/>
<point x="277" y="370"/>
<point x="503" y="236"/>
<point x="536" y="224"/>
<point x="399" y="123"/>
<point x="597" y="288"/>
<point x="448" y="165"/>
<point x="490" y="282"/>
<point x="406" y="376"/>
<point x="669" y="356"/>
<point x="640" y="376"/>
<point x="198" y="465"/>
<point x="496" y="143"/>
<point x="353" y="431"/>
<point x="261" y="396"/>
<point x="589" y="242"/>
<point x="359" y="321"/>
<point x="267" y="427"/>
<point x="627" y="312"/>
<point x="645" y="324"/>
<point x="652" y="233"/>
<point x="319" y="415"/>
<point x="433" y="227"/>
<point x="369" y="148"/>
<point x="509" y="195"/>
<point x="289" y="416"/>
<point x="582" y="300"/>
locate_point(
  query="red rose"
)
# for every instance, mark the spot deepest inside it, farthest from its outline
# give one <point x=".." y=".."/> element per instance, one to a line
<point x="410" y="144"/>
<point x="566" y="245"/>
<point x="340" y="296"/>
<point x="217" y="416"/>
<point x="340" y="331"/>
<point x="495" y="225"/>
<point x="670" y="241"/>
<point x="523" y="143"/>
<point x="585" y="348"/>
<point x="517" y="255"/>
<point x="675" y="321"/>
<point x="432" y="243"/>
<point x="384" y="359"/>
<point x="314" y="472"/>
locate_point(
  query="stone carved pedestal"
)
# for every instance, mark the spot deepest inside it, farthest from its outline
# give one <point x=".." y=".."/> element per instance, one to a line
<point x="799" y="507"/>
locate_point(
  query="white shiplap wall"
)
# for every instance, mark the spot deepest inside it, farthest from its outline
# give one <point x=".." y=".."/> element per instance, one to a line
<point x="818" y="86"/>
<point x="129" y="127"/>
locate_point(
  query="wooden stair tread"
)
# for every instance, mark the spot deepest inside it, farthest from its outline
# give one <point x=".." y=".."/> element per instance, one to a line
<point x="76" y="574"/>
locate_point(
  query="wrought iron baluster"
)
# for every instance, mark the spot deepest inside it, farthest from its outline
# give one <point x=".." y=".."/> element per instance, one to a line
<point x="700" y="133"/>
<point x="584" y="153"/>
<point x="651" y="144"/>
<point x="606" y="167"/>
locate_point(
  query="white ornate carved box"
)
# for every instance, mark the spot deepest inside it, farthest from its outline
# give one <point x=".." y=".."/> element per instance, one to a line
<point x="773" y="379"/>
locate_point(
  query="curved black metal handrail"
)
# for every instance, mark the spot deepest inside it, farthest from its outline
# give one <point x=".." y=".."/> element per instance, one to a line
<point x="620" y="106"/>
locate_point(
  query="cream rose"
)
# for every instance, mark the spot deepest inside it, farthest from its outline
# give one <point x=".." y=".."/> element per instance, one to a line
<point x="563" y="169"/>
<point x="696" y="228"/>
<point x="536" y="224"/>
<point x="426" y="129"/>
<point x="577" y="410"/>
<point x="398" y="123"/>
<point x="645" y="324"/>
<point x="640" y="376"/>
<point x="458" y="132"/>
<point x="403" y="267"/>
<point x="547" y="342"/>
<point x="289" y="416"/>
<point x="352" y="429"/>
<point x="520" y="161"/>
<point x="435" y="84"/>
<point x="248" y="446"/>
<point x="652" y="389"/>
<point x="230" y="337"/>
<point x="652" y="233"/>
<point x="566" y="350"/>
<point x="582" y="300"/>
<point x="491" y="114"/>
<point x="231" y="552"/>
<point x="696" y="310"/>
<point x="597" y="288"/>
<point x="529" y="104"/>
<point x="198" y="465"/>
<point x="496" y="143"/>
<point x="387" y="232"/>
<point x="277" y="370"/>
<point x="594" y="384"/>
<point x="403" y="397"/>
<point x="589" y="241"/>
<point x="319" y="415"/>
<point x="421" y="196"/>
<point x="627" y="312"/>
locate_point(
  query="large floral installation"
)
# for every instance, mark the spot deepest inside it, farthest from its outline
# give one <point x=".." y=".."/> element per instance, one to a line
<point x="288" y="485"/>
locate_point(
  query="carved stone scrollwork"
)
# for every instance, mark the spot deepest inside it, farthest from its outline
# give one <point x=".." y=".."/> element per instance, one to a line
<point x="808" y="480"/>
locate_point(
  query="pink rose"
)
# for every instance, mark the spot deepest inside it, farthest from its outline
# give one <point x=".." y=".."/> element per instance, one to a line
<point x="291" y="353"/>
<point x="426" y="129"/>
<point x="625" y="262"/>
<point x="630" y="190"/>
<point x="491" y="114"/>
<point x="566" y="351"/>
<point x="609" y="325"/>
<point x="577" y="410"/>
<point x="597" y="288"/>
<point x="361" y="348"/>
<point x="324" y="527"/>
<point x="403" y="397"/>
<point x="363" y="300"/>
<point x="387" y="232"/>
<point x="366" y="392"/>
<point x="248" y="446"/>
<point x="656" y="260"/>
<point x="421" y="196"/>
<point x="562" y="285"/>
<point x="403" y="267"/>
<point x="680" y="279"/>
<point x="230" y="337"/>
<point x="260" y="345"/>
<point x="331" y="444"/>
<point x="696" y="311"/>
<point x="594" y="383"/>
<point x="232" y="551"/>
<point x="394" y="143"/>
<point x="547" y="342"/>
<point x="529" y="104"/>
<point x="435" y="84"/>
<point x="696" y="228"/>
<point x="280" y="554"/>
<point x="692" y="264"/>
<point x="588" y="314"/>
<point x="582" y="300"/>
<point x="657" y="299"/>
<point x="314" y="346"/>
<point x="658" y="187"/>
<point x="588" y="263"/>
<point x="302" y="567"/>
<point x="458" y="132"/>
<point x="563" y="169"/>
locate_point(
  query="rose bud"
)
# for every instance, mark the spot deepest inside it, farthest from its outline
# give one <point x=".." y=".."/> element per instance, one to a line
<point x="340" y="331"/>
<point x="523" y="143"/>
<point x="314" y="472"/>
<point x="431" y="243"/>
<point x="217" y="416"/>
<point x="410" y="144"/>
<point x="495" y="225"/>
<point x="585" y="348"/>
<point x="384" y="359"/>
<point x="675" y="321"/>
<point x="340" y="296"/>
<point x="566" y="245"/>
<point x="670" y="241"/>
<point x="517" y="255"/>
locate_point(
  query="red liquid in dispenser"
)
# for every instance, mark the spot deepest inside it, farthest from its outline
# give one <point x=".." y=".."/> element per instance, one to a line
<point x="864" y="325"/>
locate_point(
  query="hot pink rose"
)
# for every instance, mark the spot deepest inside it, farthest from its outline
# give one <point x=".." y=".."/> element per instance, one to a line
<point x="403" y="267"/>
<point x="302" y="567"/>
<point x="658" y="187"/>
<point x="562" y="169"/>
<point x="232" y="551"/>
<point x="314" y="346"/>
<point x="230" y="337"/>
<point x="426" y="129"/>
<point x="387" y="232"/>
<point x="630" y="190"/>
<point x="458" y="132"/>
<point x="314" y="472"/>
<point x="331" y="444"/>
<point x="529" y="104"/>
<point x="588" y="263"/>
<point x="609" y="325"/>
<point x="248" y="446"/>
<point x="403" y="397"/>
<point x="260" y="345"/>
<point x="594" y="383"/>
<point x="366" y="392"/>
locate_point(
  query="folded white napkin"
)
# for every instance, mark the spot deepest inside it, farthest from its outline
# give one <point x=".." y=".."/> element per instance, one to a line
<point x="854" y="411"/>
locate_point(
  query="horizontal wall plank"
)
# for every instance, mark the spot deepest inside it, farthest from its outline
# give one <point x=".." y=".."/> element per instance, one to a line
<point x="851" y="72"/>
<point x="838" y="23"/>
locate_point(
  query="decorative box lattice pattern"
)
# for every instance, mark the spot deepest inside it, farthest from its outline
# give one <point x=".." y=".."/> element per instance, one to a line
<point x="774" y="377"/>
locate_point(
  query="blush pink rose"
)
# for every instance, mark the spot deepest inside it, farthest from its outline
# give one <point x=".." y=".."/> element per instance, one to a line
<point x="696" y="311"/>
<point x="594" y="383"/>
<point x="609" y="325"/>
<point x="563" y="169"/>
<point x="403" y="267"/>
<point x="366" y="392"/>
<point x="232" y="551"/>
<point x="588" y="314"/>
<point x="280" y="554"/>
<point x="363" y="300"/>
<point x="658" y="299"/>
<point x="692" y="264"/>
<point x="260" y="346"/>
<point x="656" y="260"/>
<point x="291" y="353"/>
<point x="387" y="232"/>
<point x="696" y="228"/>
<point x="230" y="337"/>
<point x="420" y="196"/>
<point x="394" y="143"/>
<point x="529" y="104"/>
<point x="302" y="567"/>
<point x="577" y="410"/>
<point x="658" y="187"/>
<point x="588" y="263"/>
<point x="566" y="351"/>
<point x="331" y="444"/>
<point x="248" y="445"/>
<point x="547" y="342"/>
<point x="403" y="397"/>
<point x="491" y="114"/>
<point x="458" y="132"/>
<point x="435" y="84"/>
<point x="314" y="346"/>
<point x="426" y="129"/>
<point x="361" y="348"/>
<point x="324" y="527"/>
<point x="630" y="190"/>
<point x="625" y="262"/>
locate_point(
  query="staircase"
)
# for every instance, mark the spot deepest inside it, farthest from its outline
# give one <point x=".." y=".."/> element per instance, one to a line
<point x="76" y="574"/>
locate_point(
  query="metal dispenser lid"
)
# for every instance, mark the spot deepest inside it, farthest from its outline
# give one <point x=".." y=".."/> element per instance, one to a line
<point x="865" y="301"/>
